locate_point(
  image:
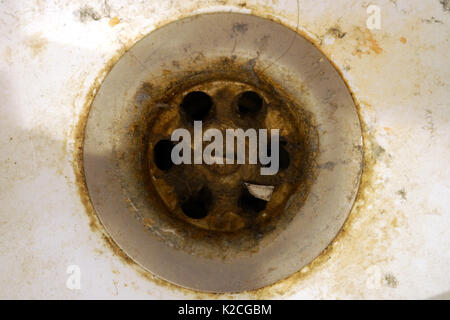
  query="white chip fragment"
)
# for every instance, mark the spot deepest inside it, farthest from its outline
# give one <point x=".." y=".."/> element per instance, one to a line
<point x="262" y="192"/>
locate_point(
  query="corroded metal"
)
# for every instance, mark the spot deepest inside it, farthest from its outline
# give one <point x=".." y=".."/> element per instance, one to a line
<point x="230" y="209"/>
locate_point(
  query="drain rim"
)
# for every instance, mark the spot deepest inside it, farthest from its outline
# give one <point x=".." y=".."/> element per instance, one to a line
<point x="214" y="285"/>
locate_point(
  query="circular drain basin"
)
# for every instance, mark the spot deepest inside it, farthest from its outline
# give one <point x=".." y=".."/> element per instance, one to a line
<point x="219" y="224"/>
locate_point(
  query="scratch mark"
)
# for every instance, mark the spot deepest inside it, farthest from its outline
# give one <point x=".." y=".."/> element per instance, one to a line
<point x="33" y="152"/>
<point x="292" y="41"/>
<point x="429" y="122"/>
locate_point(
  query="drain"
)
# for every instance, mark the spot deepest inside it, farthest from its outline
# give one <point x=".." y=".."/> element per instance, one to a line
<point x="238" y="105"/>
<point x="249" y="202"/>
<point x="198" y="204"/>
<point x="249" y="103"/>
<point x="218" y="223"/>
<point x="197" y="105"/>
<point x="162" y="154"/>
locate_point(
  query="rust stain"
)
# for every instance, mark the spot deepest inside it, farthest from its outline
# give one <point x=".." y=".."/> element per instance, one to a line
<point x="37" y="43"/>
<point x="147" y="222"/>
<point x="403" y="40"/>
<point x="374" y="45"/>
<point x="366" y="43"/>
<point x="133" y="128"/>
<point x="114" y="21"/>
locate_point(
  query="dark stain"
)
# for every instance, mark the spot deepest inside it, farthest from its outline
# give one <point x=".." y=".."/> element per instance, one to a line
<point x="263" y="42"/>
<point x="445" y="5"/>
<point x="402" y="193"/>
<point x="176" y="64"/>
<point x="336" y="32"/>
<point x="87" y="13"/>
<point x="240" y="28"/>
<point x="143" y="94"/>
<point x="432" y="20"/>
<point x="390" y="280"/>
<point x="328" y="165"/>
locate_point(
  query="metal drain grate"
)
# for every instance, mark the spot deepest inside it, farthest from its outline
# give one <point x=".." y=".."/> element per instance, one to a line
<point x="229" y="197"/>
<point x="211" y="226"/>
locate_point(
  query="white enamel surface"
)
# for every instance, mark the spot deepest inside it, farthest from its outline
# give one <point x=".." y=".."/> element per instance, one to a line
<point x="396" y="247"/>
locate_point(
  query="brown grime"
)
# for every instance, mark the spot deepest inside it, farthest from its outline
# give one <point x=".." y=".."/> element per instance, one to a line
<point x="161" y="182"/>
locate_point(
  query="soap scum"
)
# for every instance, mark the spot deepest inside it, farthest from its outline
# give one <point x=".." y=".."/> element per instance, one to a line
<point x="213" y="152"/>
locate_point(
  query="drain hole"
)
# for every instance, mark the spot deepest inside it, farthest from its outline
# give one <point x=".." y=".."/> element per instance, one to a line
<point x="197" y="105"/>
<point x="249" y="102"/>
<point x="249" y="202"/>
<point x="283" y="157"/>
<point x="196" y="207"/>
<point x="162" y="154"/>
